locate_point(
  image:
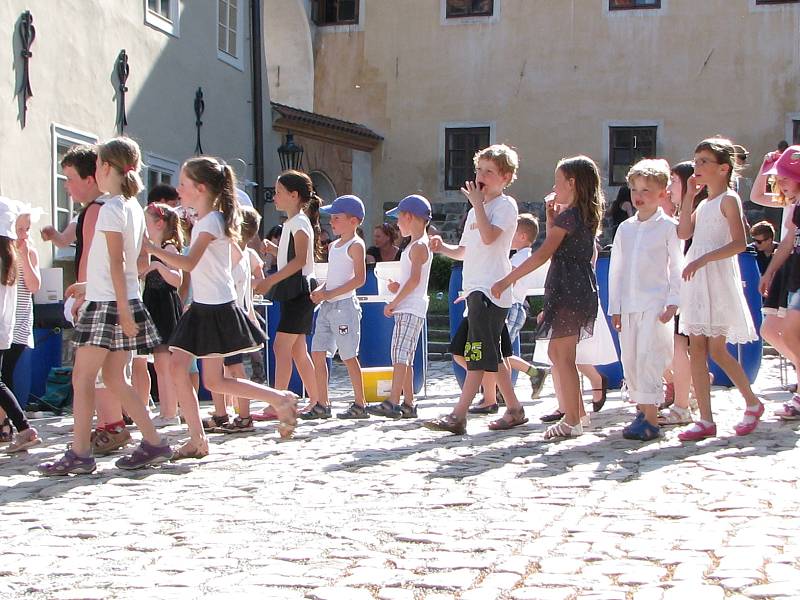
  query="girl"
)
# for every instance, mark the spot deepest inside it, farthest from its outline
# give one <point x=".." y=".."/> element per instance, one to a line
<point x="574" y="211"/>
<point x="214" y="326"/>
<point x="26" y="436"/>
<point x="161" y="298"/>
<point x="787" y="260"/>
<point x="712" y="305"/>
<point x="115" y="320"/>
<point x="294" y="194"/>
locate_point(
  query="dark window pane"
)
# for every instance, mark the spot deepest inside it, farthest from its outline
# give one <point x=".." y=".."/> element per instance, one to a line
<point x="795" y="132"/>
<point x="777" y="1"/>
<point x="460" y="147"/>
<point x="628" y="145"/>
<point x="335" y="12"/>
<point x="628" y="4"/>
<point x="469" y="8"/>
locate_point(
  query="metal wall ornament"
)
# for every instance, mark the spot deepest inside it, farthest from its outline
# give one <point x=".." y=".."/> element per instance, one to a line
<point x="123" y="70"/>
<point x="199" y="109"/>
<point x="27" y="34"/>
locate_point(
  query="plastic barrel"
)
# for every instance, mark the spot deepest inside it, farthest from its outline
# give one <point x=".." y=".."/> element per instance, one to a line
<point x="30" y="374"/>
<point x="456" y="312"/>
<point x="273" y="316"/>
<point x="748" y="355"/>
<point x="613" y="371"/>
<point x="370" y="287"/>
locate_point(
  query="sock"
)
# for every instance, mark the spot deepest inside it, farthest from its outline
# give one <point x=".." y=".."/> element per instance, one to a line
<point x="114" y="427"/>
<point x="531" y="371"/>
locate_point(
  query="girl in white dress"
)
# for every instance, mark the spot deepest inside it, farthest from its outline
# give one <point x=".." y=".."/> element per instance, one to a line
<point x="713" y="307"/>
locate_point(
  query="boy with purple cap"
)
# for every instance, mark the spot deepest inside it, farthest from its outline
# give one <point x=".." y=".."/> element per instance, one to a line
<point x="338" y="324"/>
<point x="409" y="306"/>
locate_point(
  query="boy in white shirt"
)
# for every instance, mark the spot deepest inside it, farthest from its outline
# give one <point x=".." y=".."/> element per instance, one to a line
<point x="484" y="247"/>
<point x="643" y="292"/>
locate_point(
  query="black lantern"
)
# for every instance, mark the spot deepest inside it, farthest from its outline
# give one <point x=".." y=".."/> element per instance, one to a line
<point x="291" y="154"/>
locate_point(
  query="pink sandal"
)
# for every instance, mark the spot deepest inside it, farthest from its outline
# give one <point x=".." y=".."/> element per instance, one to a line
<point x="698" y="432"/>
<point x="747" y="427"/>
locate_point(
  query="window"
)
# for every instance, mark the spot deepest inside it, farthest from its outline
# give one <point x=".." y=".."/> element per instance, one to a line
<point x="230" y="23"/>
<point x="795" y="132"/>
<point x="627" y="145"/>
<point x="460" y="147"/>
<point x="629" y="4"/>
<point x="163" y="15"/>
<point x="335" y="12"/>
<point x="776" y="1"/>
<point x="469" y="8"/>
<point x="64" y="210"/>
<point x="160" y="170"/>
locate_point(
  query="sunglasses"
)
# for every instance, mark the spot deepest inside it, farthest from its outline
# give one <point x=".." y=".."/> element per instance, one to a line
<point x="759" y="241"/>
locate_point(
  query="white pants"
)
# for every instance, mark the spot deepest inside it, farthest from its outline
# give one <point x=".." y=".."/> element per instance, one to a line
<point x="646" y="346"/>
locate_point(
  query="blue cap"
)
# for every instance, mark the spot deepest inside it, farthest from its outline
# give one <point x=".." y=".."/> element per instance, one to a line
<point x="345" y="205"/>
<point x="414" y="204"/>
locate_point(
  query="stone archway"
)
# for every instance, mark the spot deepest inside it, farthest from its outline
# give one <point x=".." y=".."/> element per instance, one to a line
<point x="323" y="186"/>
<point x="289" y="54"/>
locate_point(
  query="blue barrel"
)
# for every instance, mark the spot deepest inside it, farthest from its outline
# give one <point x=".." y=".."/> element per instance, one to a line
<point x="273" y="317"/>
<point x="748" y="355"/>
<point x="456" y="312"/>
<point x="33" y="367"/>
<point x="370" y="287"/>
<point x="613" y="371"/>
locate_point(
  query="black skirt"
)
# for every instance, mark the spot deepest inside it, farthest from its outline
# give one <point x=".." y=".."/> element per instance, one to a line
<point x="214" y="330"/>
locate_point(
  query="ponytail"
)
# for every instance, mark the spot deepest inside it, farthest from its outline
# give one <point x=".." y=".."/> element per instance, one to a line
<point x="312" y="212"/>
<point x="299" y="182"/>
<point x="124" y="155"/>
<point x="220" y="181"/>
<point x="229" y="204"/>
<point x="174" y="233"/>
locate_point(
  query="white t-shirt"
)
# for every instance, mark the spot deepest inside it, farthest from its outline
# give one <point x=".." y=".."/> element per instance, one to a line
<point x="521" y="287"/>
<point x="485" y="264"/>
<point x="243" y="198"/>
<point x="127" y="218"/>
<point x="212" y="281"/>
<point x="299" y="222"/>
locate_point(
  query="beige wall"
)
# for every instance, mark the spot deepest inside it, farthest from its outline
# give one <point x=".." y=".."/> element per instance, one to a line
<point x="550" y="75"/>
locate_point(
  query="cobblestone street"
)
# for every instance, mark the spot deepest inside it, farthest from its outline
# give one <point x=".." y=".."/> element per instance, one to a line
<point x="388" y="510"/>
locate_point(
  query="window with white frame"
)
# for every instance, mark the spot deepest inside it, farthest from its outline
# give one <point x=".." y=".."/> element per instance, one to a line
<point x="163" y="15"/>
<point x="160" y="170"/>
<point x="230" y="25"/>
<point x="64" y="209"/>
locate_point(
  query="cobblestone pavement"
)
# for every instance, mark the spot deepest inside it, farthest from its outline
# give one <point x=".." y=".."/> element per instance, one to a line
<point x="388" y="510"/>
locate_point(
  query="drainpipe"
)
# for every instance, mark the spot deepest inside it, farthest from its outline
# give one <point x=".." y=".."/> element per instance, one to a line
<point x="258" y="100"/>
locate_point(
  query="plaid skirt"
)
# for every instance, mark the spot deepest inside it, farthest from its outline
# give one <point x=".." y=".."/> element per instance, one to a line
<point x="99" y="326"/>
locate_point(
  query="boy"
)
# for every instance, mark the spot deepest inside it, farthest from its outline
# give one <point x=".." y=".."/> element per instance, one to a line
<point x="763" y="235"/>
<point x="409" y="306"/>
<point x="339" y="318"/>
<point x="484" y="247"/>
<point x="643" y="292"/>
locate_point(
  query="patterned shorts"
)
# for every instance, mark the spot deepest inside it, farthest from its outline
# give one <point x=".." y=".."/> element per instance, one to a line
<point x="405" y="336"/>
<point x="99" y="326"/>
<point x="516" y="318"/>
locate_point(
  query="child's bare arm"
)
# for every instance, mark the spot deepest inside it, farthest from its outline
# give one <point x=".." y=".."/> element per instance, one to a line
<point x="356" y="252"/>
<point x="418" y="256"/>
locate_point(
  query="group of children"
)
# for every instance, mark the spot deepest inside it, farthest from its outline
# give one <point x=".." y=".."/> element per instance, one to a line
<point x="215" y="321"/>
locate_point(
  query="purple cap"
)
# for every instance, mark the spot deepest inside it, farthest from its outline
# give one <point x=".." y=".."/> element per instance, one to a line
<point x="345" y="205"/>
<point x="414" y="204"/>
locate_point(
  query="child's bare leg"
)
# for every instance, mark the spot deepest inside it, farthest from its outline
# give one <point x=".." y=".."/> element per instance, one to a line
<point x="88" y="362"/>
<point x="140" y="378"/>
<point x="408" y="386"/>
<point x="306" y="369"/>
<point x="109" y="407"/>
<point x="791" y="338"/>
<point x="282" y="347"/>
<point x="562" y="355"/>
<point x="503" y="381"/>
<point x="399" y="371"/>
<point x="114" y="378"/>
<point x="220" y="406"/>
<point x="732" y="368"/>
<point x="241" y="403"/>
<point x="489" y="385"/>
<point x="320" y="361"/>
<point x="595" y="379"/>
<point x="179" y="363"/>
<point x="681" y="371"/>
<point x="698" y="360"/>
<point x="354" y="370"/>
<point x="472" y="383"/>
<point x="167" y="400"/>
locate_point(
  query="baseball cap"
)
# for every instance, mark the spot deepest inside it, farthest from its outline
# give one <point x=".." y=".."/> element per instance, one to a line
<point x="414" y="204"/>
<point x="345" y="205"/>
<point x="788" y="165"/>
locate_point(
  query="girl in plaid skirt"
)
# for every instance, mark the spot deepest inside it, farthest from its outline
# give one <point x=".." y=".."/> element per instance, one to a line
<point x="115" y="321"/>
<point x="214" y="326"/>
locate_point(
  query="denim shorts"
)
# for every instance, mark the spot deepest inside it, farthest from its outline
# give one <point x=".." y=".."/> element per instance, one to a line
<point x="338" y="327"/>
<point x="793" y="302"/>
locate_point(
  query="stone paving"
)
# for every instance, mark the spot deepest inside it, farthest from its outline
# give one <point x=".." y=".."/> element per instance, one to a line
<point x="388" y="510"/>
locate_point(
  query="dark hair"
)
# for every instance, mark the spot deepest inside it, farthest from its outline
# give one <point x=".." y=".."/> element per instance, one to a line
<point x="684" y="170"/>
<point x="589" y="199"/>
<point x="275" y="232"/>
<point x="783" y="145"/>
<point x="8" y="258"/>
<point x="723" y="151"/>
<point x="220" y="181"/>
<point x="390" y="231"/>
<point x="162" y="192"/>
<point x="82" y="158"/>
<point x="123" y="154"/>
<point x="300" y="183"/>
<point x="174" y="232"/>
<point x="764" y="228"/>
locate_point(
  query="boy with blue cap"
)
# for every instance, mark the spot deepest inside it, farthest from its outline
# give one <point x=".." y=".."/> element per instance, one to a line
<point x="409" y="307"/>
<point x="338" y="324"/>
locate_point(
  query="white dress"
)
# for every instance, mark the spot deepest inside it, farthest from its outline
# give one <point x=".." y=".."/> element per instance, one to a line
<point x="712" y="302"/>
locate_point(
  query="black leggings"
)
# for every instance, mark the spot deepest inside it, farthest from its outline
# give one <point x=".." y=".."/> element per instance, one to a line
<point x="8" y="402"/>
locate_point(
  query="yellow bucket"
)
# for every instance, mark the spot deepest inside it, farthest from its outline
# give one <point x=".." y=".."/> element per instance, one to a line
<point x="377" y="383"/>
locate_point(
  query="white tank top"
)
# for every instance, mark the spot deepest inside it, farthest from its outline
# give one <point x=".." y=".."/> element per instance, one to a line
<point x="340" y="268"/>
<point x="416" y="303"/>
<point x="242" y="278"/>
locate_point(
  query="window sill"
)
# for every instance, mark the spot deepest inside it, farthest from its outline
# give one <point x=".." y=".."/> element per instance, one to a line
<point x="236" y="63"/>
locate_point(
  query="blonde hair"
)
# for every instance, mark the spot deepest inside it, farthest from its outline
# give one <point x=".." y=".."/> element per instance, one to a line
<point x="589" y="199"/>
<point x="123" y="154"/>
<point x="505" y="157"/>
<point x="174" y="228"/>
<point x="529" y="226"/>
<point x="251" y="221"/>
<point x="220" y="181"/>
<point x="652" y="169"/>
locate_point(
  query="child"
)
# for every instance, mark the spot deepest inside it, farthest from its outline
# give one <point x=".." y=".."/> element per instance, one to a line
<point x="574" y="212"/>
<point x="484" y="247"/>
<point x="643" y="293"/>
<point x="409" y="305"/>
<point x="787" y="259"/>
<point x="214" y="326"/>
<point x="339" y="317"/>
<point x="162" y="301"/>
<point x="115" y="320"/>
<point x="26" y="436"/>
<point x="294" y="194"/>
<point x="713" y="307"/>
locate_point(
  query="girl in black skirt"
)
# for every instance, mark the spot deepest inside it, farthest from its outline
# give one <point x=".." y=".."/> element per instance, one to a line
<point x="214" y="326"/>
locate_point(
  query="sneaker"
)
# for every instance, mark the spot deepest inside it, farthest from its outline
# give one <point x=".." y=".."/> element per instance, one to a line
<point x="385" y="409"/>
<point x="409" y="412"/>
<point x="449" y="423"/>
<point x="144" y="455"/>
<point x="68" y="464"/>
<point x="238" y="425"/>
<point x="160" y="422"/>
<point x="317" y="411"/>
<point x="641" y="429"/>
<point x="24" y="440"/>
<point x="354" y="411"/>
<point x="698" y="431"/>
<point x="105" y="441"/>
<point x="537" y="381"/>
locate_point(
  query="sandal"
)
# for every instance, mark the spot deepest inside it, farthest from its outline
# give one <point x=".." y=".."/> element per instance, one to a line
<point x="562" y="431"/>
<point x="6" y="432"/>
<point x="69" y="463"/>
<point x="748" y="425"/>
<point x="675" y="415"/>
<point x="557" y="415"/>
<point x="288" y="422"/>
<point x="508" y="421"/>
<point x="189" y="450"/>
<point x="238" y="425"/>
<point x="268" y="414"/>
<point x="790" y="411"/>
<point x="213" y="422"/>
<point x="596" y="406"/>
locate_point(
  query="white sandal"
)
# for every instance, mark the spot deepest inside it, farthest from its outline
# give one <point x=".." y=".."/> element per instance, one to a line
<point x="562" y="431"/>
<point x="675" y="415"/>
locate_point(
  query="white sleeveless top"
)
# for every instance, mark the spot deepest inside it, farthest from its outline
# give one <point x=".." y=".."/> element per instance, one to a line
<point x="416" y="303"/>
<point x="340" y="268"/>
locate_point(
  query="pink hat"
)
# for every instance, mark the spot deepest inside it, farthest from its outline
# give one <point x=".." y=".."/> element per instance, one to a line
<point x="788" y="165"/>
